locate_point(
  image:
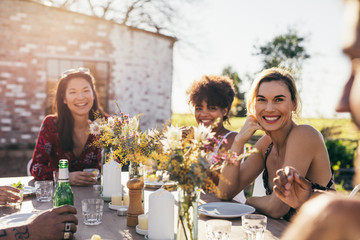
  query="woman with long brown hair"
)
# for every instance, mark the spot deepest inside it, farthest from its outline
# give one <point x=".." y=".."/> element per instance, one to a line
<point x="272" y="103"/>
<point x="65" y="134"/>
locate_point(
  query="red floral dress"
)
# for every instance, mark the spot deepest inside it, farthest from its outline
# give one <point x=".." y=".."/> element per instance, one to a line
<point x="48" y="152"/>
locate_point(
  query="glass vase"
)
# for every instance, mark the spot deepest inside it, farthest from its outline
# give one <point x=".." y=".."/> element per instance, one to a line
<point x="187" y="222"/>
<point x="110" y="175"/>
<point x="135" y="170"/>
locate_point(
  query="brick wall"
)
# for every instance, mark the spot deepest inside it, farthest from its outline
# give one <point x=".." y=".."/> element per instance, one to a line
<point x="139" y="65"/>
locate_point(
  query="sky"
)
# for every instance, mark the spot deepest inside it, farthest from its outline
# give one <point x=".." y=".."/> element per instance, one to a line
<point x="224" y="32"/>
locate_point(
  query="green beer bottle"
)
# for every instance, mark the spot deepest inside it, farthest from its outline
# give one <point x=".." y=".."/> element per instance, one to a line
<point x="63" y="194"/>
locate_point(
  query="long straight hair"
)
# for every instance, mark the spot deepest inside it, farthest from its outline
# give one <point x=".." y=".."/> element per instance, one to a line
<point x="65" y="122"/>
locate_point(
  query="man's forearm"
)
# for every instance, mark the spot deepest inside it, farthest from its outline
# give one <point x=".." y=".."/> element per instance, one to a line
<point x="21" y="232"/>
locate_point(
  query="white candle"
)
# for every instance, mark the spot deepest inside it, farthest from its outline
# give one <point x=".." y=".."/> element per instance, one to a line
<point x="116" y="199"/>
<point x="126" y="200"/>
<point x="111" y="179"/>
<point x="161" y="215"/>
<point x="143" y="221"/>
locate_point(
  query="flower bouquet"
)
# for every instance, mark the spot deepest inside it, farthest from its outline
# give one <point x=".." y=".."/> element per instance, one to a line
<point x="122" y="142"/>
<point x="190" y="160"/>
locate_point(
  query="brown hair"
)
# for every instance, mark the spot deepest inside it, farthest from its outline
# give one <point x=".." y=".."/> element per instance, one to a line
<point x="214" y="90"/>
<point x="273" y="74"/>
<point x="65" y="121"/>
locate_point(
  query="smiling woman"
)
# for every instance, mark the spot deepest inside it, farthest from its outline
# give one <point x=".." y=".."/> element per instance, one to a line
<point x="65" y="135"/>
<point x="212" y="97"/>
<point x="273" y="100"/>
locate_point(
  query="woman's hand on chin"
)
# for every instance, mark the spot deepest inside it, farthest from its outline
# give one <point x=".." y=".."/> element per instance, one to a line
<point x="81" y="178"/>
<point x="251" y="125"/>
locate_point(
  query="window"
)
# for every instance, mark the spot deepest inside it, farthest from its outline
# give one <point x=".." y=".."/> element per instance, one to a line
<point x="100" y="71"/>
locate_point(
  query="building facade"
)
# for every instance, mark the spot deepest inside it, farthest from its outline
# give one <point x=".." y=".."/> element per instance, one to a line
<point x="132" y="67"/>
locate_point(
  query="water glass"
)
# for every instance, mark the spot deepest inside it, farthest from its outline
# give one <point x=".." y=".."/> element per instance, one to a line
<point x="92" y="210"/>
<point x="55" y="177"/>
<point x="44" y="190"/>
<point x="254" y="226"/>
<point x="16" y="206"/>
<point x="94" y="171"/>
<point x="218" y="229"/>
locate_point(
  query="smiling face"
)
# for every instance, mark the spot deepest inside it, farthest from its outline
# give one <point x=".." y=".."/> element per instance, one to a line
<point x="207" y="115"/>
<point x="79" y="96"/>
<point x="273" y="105"/>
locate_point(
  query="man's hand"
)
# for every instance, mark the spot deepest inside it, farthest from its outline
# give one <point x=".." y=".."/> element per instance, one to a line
<point x="51" y="224"/>
<point x="291" y="188"/>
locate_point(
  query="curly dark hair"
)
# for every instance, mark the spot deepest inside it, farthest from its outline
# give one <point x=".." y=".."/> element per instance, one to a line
<point x="214" y="90"/>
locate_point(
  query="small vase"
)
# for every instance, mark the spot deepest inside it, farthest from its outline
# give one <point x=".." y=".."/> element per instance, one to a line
<point x="110" y="175"/>
<point x="187" y="223"/>
<point x="135" y="170"/>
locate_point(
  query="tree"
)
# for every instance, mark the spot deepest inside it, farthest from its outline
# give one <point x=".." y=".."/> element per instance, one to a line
<point x="239" y="105"/>
<point x="286" y="51"/>
<point x="159" y="16"/>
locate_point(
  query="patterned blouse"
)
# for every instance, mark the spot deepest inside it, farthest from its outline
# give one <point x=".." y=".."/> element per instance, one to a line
<point x="48" y="152"/>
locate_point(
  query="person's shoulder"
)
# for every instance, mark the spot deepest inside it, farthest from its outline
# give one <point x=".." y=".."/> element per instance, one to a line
<point x="52" y="118"/>
<point x="50" y="121"/>
<point x="305" y="134"/>
<point x="305" y="131"/>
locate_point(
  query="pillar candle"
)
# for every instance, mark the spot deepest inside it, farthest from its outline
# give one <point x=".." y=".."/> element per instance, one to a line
<point x="111" y="179"/>
<point x="161" y="215"/>
<point x="143" y="221"/>
<point x="125" y="199"/>
<point x="116" y="199"/>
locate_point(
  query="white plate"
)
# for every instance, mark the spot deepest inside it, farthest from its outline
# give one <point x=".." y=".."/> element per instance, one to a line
<point x="141" y="231"/>
<point x="15" y="219"/>
<point x="29" y="190"/>
<point x="158" y="184"/>
<point x="225" y="209"/>
<point x="116" y="207"/>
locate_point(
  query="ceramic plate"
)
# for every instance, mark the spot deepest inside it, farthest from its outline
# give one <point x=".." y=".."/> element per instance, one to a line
<point x="29" y="190"/>
<point x="15" y="219"/>
<point x="116" y="207"/>
<point x="225" y="209"/>
<point x="141" y="231"/>
<point x="158" y="184"/>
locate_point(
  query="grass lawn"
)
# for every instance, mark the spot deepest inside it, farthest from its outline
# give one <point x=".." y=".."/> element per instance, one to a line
<point x="341" y="128"/>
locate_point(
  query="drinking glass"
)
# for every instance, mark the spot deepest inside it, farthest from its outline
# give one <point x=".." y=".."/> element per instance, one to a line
<point x="92" y="210"/>
<point x="254" y="226"/>
<point x="55" y="177"/>
<point x="218" y="229"/>
<point x="94" y="171"/>
<point x="16" y="206"/>
<point x="44" y="190"/>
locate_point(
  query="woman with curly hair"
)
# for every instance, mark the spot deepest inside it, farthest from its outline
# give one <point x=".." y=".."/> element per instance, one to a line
<point x="212" y="96"/>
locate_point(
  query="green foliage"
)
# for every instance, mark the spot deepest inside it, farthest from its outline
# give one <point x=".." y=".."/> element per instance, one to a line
<point x="341" y="153"/>
<point x="239" y="105"/>
<point x="285" y="51"/>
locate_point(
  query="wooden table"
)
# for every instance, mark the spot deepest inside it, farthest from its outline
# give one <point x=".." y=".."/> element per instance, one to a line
<point x="114" y="226"/>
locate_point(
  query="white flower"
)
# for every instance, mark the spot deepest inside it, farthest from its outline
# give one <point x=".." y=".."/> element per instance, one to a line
<point x="202" y="133"/>
<point x="173" y="133"/>
<point x="133" y="124"/>
<point x="172" y="140"/>
<point x="152" y="132"/>
<point x="111" y="121"/>
<point x="95" y="128"/>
